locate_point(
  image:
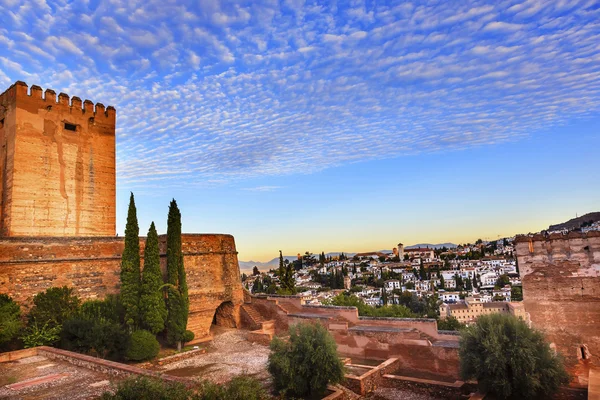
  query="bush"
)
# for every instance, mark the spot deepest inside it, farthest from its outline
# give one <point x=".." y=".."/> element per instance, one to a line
<point x="54" y="306"/>
<point x="150" y="389"/>
<point x="450" y="324"/>
<point x="142" y="346"/>
<point x="41" y="335"/>
<point x="109" y="309"/>
<point x="239" y="388"/>
<point x="304" y="365"/>
<point x="98" y="338"/>
<point x="10" y="320"/>
<point x="509" y="359"/>
<point x="188" y="336"/>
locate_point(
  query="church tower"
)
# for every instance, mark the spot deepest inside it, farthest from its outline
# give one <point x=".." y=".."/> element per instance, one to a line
<point x="57" y="165"/>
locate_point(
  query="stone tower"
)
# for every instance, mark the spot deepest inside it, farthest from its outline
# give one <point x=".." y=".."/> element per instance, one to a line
<point x="57" y="165"/>
<point x="401" y="251"/>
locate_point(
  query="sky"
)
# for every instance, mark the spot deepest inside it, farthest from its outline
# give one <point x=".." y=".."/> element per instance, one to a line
<point x="332" y="126"/>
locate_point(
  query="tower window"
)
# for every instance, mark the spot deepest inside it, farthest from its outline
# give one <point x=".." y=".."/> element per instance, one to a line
<point x="70" y="127"/>
<point x="1" y="123"/>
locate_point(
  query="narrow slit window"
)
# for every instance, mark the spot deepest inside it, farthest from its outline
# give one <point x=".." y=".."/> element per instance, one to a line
<point x="1" y="123"/>
<point x="70" y="127"/>
<point x="583" y="355"/>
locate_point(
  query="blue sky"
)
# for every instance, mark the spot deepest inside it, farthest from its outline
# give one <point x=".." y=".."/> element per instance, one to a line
<point x="334" y="125"/>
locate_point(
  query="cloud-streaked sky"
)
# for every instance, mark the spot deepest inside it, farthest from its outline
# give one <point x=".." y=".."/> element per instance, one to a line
<point x="295" y="124"/>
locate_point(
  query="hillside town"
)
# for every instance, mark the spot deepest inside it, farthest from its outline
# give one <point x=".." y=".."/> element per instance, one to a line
<point x="456" y="279"/>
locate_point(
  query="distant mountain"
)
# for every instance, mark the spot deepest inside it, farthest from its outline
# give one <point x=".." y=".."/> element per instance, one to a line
<point x="264" y="266"/>
<point x="274" y="263"/>
<point x="246" y="266"/>
<point x="576" y="223"/>
<point x="432" y="246"/>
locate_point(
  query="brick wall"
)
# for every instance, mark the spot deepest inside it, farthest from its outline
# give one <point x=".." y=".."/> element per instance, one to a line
<point x="91" y="266"/>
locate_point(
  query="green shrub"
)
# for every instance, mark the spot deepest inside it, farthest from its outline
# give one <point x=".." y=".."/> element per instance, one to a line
<point x="10" y="320"/>
<point x="450" y="324"/>
<point x="188" y="336"/>
<point x="239" y="388"/>
<point x="304" y="365"/>
<point x="390" y="311"/>
<point x="54" y="306"/>
<point x="98" y="338"/>
<point x="141" y="388"/>
<point x="41" y="335"/>
<point x="509" y="359"/>
<point x="109" y="309"/>
<point x="142" y="346"/>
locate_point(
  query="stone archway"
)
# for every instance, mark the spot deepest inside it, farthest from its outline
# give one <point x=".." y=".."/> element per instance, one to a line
<point x="226" y="315"/>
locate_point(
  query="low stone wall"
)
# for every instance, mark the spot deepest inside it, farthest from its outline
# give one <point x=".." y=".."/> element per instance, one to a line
<point x="95" y="364"/>
<point x="370" y="380"/>
<point x="180" y="356"/>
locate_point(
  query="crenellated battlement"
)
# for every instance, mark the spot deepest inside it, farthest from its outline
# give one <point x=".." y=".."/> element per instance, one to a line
<point x="582" y="249"/>
<point x="36" y="96"/>
<point x="57" y="176"/>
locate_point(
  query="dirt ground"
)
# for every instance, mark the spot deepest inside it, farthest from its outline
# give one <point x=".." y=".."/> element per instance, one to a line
<point x="227" y="356"/>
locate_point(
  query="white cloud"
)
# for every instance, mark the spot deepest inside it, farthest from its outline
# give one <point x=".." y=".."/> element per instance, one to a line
<point x="220" y="92"/>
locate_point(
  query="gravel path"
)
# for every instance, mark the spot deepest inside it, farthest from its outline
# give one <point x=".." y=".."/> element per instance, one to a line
<point x="229" y="355"/>
<point x="399" y="394"/>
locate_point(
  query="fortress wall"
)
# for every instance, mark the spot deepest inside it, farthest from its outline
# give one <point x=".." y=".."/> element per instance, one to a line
<point x="561" y="291"/>
<point x="91" y="266"/>
<point x="64" y="153"/>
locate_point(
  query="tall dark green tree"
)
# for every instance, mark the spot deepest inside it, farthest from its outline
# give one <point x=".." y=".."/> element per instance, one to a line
<point x="153" y="311"/>
<point x="130" y="268"/>
<point x="177" y="292"/>
<point x="286" y="277"/>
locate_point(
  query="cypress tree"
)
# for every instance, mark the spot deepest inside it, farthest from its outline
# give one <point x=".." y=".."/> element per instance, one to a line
<point x="281" y="270"/>
<point x="153" y="311"/>
<point x="130" y="268"/>
<point x="177" y="294"/>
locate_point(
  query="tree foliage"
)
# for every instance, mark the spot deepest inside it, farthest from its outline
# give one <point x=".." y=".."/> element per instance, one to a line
<point x="110" y="309"/>
<point x="390" y="311"/>
<point x="130" y="268"/>
<point x="178" y="303"/>
<point x="153" y="311"/>
<point x="286" y="276"/>
<point x="450" y="324"/>
<point x="306" y="363"/>
<point x="41" y="334"/>
<point x="53" y="307"/>
<point x="509" y="359"/>
<point x="10" y="320"/>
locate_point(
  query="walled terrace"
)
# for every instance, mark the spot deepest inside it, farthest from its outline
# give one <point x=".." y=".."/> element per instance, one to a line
<point x="417" y="344"/>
